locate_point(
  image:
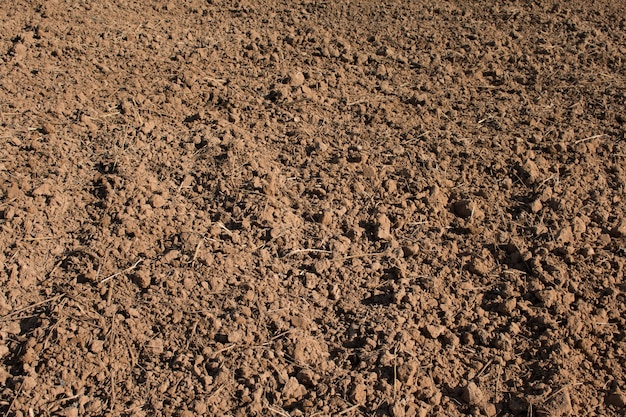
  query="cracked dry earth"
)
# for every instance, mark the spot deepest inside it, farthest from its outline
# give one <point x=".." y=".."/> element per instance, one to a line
<point x="312" y="208"/>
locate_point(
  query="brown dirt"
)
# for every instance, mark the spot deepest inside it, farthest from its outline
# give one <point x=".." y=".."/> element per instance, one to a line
<point x="312" y="209"/>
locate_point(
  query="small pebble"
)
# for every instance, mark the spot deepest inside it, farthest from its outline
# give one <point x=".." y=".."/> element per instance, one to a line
<point x="296" y="79"/>
<point x="97" y="346"/>
<point x="19" y="50"/>
<point x="536" y="206"/>
<point x="383" y="228"/>
<point x="463" y="208"/>
<point x="617" y="399"/>
<point x="472" y="394"/>
<point x="490" y="409"/>
<point x="434" y="331"/>
<point x="620" y="229"/>
<point x="326" y="218"/>
<point x="47" y="128"/>
<point x="142" y="278"/>
<point x="157" y="201"/>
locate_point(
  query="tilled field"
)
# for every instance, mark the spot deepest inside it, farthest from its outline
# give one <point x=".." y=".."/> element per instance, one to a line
<point x="312" y="208"/>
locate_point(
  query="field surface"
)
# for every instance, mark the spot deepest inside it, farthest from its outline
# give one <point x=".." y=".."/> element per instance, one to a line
<point x="312" y="208"/>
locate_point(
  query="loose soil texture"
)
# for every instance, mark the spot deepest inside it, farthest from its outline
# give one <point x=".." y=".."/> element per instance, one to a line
<point x="312" y="208"/>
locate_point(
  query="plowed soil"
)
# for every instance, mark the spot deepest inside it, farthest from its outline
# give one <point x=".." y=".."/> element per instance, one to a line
<point x="312" y="208"/>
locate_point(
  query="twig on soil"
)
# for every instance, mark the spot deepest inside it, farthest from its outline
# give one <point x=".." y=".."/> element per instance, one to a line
<point x="196" y="252"/>
<point x="215" y="80"/>
<point x="294" y="102"/>
<point x="513" y="271"/>
<point x="193" y="333"/>
<point x="553" y="177"/>
<point x="56" y="325"/>
<point x="417" y="223"/>
<point x="520" y="180"/>
<point x="347" y="410"/>
<point x="34" y="239"/>
<point x="278" y="336"/>
<point x="53" y="406"/>
<point x="560" y="390"/>
<point x="130" y="268"/>
<point x="19" y="391"/>
<point x="21" y="310"/>
<point x="99" y="118"/>
<point x="227" y="348"/>
<point x="354" y="103"/>
<point x="278" y="411"/>
<point x="224" y="228"/>
<point x="217" y="390"/>
<point x="483" y="288"/>
<point x="484" y="368"/>
<point x="421" y="135"/>
<point x="8" y="202"/>
<point x="296" y="251"/>
<point x="589" y="138"/>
